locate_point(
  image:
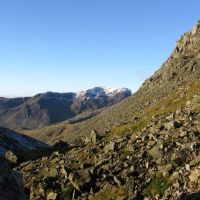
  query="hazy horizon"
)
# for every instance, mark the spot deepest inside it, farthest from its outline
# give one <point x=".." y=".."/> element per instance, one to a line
<point x="69" y="46"/>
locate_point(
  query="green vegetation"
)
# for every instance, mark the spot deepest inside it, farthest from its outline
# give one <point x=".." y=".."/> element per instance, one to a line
<point x="127" y="152"/>
<point x="157" y="186"/>
<point x="110" y="193"/>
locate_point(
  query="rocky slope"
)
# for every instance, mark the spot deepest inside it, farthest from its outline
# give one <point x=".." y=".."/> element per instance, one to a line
<point x="12" y="144"/>
<point x="161" y="161"/>
<point x="48" y="108"/>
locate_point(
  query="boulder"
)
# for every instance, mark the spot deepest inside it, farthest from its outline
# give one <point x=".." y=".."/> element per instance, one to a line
<point x="194" y="175"/>
<point x="11" y="157"/>
<point x="91" y="138"/>
<point x="109" y="147"/>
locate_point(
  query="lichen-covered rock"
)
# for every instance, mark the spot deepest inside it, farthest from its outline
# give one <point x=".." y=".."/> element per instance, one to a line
<point x="11" y="157"/>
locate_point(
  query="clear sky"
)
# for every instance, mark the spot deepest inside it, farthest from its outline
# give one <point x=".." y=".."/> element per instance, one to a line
<point x="70" y="45"/>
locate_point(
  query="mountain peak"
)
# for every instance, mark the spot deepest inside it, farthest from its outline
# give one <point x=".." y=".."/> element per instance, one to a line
<point x="188" y="43"/>
<point x="102" y="91"/>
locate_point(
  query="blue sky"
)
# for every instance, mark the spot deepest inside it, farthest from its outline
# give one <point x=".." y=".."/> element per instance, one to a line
<point x="70" y="45"/>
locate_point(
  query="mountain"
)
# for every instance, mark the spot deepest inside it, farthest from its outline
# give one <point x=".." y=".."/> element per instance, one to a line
<point x="98" y="97"/>
<point x="145" y="147"/>
<point x="8" y="103"/>
<point x="48" y="108"/>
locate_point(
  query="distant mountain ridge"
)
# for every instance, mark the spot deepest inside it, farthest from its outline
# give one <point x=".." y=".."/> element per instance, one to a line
<point x="51" y="107"/>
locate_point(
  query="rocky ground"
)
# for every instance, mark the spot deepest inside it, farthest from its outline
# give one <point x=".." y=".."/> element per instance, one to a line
<point x="161" y="161"/>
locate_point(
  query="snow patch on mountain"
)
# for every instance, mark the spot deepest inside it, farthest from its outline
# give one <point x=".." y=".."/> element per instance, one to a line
<point x="101" y="91"/>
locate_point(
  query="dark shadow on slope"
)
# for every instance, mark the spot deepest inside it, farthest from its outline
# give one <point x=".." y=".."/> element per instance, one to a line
<point x="11" y="184"/>
<point x="24" y="147"/>
<point x="41" y="152"/>
<point x="60" y="146"/>
<point x="16" y="142"/>
<point x="193" y="196"/>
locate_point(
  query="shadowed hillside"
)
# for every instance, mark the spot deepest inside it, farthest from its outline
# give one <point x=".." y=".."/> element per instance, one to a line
<point x="16" y="142"/>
